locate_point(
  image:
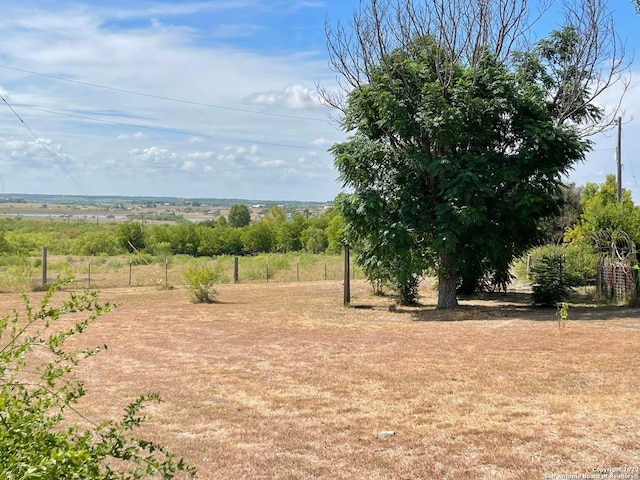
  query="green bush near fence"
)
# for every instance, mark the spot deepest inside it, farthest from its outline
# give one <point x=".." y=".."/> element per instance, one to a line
<point x="201" y="282"/>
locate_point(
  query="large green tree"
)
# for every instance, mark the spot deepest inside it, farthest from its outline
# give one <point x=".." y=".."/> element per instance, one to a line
<point x="239" y="215"/>
<point x="457" y="148"/>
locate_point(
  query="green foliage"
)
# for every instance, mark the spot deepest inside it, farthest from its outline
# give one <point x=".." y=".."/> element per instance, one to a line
<point x="550" y="283"/>
<point x="4" y="245"/>
<point x="201" y="281"/>
<point x="130" y="236"/>
<point x="239" y="216"/>
<point x="275" y="216"/>
<point x="580" y="261"/>
<point x="335" y="234"/>
<point x="143" y="259"/>
<point x="274" y="233"/>
<point x="289" y="234"/>
<point x="556" y="226"/>
<point x="386" y="251"/>
<point x="259" y="237"/>
<point x="562" y="315"/>
<point x="467" y="169"/>
<point x="38" y="392"/>
<point x="314" y="240"/>
<point x="26" y="243"/>
<point x="184" y="239"/>
<point x="602" y="211"/>
<point x="98" y="243"/>
<point x="19" y="272"/>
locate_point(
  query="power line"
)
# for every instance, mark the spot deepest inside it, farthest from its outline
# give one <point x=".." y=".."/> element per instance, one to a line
<point x="160" y="97"/>
<point x="171" y="130"/>
<point x="55" y="157"/>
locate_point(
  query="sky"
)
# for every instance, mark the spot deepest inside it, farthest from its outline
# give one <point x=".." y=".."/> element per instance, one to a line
<point x="214" y="99"/>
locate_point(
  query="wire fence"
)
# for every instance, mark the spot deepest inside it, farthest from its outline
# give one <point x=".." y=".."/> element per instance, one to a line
<point x="141" y="271"/>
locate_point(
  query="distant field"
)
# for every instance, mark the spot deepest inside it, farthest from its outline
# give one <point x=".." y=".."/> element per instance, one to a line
<point x="279" y="381"/>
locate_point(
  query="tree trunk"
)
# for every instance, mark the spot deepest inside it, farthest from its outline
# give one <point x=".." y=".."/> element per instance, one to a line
<point x="447" y="282"/>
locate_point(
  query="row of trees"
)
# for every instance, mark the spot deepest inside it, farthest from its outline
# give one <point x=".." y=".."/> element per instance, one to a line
<point x="274" y="232"/>
<point x="235" y="235"/>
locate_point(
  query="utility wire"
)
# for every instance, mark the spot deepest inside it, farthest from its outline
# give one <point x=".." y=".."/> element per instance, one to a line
<point x="172" y="130"/>
<point x="160" y="97"/>
<point x="55" y="157"/>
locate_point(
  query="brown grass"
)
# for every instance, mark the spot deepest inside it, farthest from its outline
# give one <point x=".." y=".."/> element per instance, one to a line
<point x="281" y="381"/>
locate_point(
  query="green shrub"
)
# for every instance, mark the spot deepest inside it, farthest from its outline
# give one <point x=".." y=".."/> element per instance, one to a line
<point x="37" y="439"/>
<point x="161" y="249"/>
<point x="550" y="281"/>
<point x="580" y="261"/>
<point x="201" y="281"/>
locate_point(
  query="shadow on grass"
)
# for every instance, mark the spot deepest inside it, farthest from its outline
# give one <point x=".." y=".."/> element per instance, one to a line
<point x="516" y="305"/>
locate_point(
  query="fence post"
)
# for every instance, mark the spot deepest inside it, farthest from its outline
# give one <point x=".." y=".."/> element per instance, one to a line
<point x="44" y="266"/>
<point x="267" y="265"/>
<point x="298" y="270"/>
<point x="235" y="269"/>
<point x="347" y="276"/>
<point x="89" y="276"/>
<point x="130" y="267"/>
<point x="325" y="269"/>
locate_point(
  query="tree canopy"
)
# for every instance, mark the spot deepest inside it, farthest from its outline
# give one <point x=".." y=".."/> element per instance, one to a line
<point x="603" y="211"/>
<point x="239" y="215"/>
<point x="457" y="151"/>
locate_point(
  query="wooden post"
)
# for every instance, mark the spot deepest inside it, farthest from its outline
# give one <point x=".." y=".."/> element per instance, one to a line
<point x="298" y="270"/>
<point x="325" y="269"/>
<point x="130" y="267"/>
<point x="267" y="265"/>
<point x="619" y="161"/>
<point x="166" y="273"/>
<point x="235" y="269"/>
<point x="89" y="276"/>
<point x="44" y="266"/>
<point x="347" y="276"/>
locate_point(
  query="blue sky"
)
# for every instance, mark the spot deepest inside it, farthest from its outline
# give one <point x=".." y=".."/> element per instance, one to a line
<point x="250" y="123"/>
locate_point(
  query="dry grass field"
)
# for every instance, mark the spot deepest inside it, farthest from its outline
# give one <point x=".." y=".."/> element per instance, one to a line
<point x="280" y="381"/>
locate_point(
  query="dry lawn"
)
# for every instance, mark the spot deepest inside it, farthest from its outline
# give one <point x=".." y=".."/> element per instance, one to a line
<point x="280" y="381"/>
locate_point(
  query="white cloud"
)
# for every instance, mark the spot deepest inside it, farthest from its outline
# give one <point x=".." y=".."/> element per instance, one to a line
<point x="134" y="136"/>
<point x="293" y="97"/>
<point x="321" y="142"/>
<point x="194" y="139"/>
<point x="271" y="163"/>
<point x="200" y="155"/>
<point x="188" y="165"/>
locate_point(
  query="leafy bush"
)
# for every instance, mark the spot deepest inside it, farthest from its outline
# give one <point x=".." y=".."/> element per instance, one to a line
<point x="550" y="282"/>
<point x="580" y="261"/>
<point x="37" y="439"/>
<point x="97" y="243"/>
<point x="201" y="281"/>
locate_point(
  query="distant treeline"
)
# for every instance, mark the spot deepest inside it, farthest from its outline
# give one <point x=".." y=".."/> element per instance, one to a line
<point x="108" y="201"/>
